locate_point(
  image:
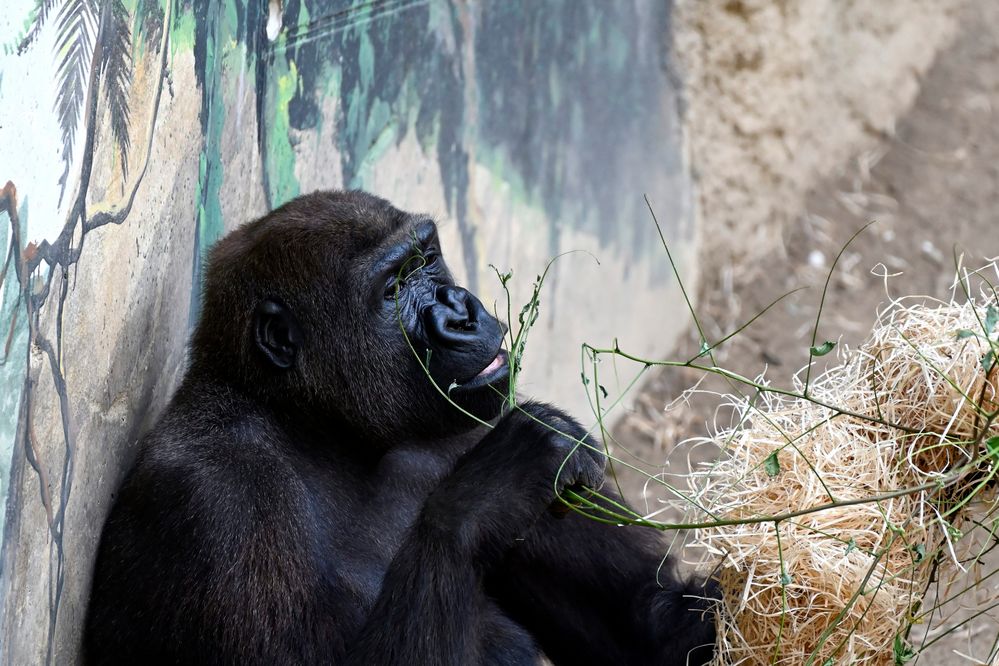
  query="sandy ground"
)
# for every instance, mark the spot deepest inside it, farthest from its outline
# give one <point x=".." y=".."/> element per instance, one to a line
<point x="932" y="188"/>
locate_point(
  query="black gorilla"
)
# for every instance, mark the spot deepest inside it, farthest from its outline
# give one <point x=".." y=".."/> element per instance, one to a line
<point x="310" y="497"/>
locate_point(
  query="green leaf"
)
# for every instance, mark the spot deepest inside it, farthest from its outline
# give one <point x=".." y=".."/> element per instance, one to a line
<point x="503" y="277"/>
<point x="523" y="313"/>
<point x="992" y="445"/>
<point x="705" y="348"/>
<point x="920" y="551"/>
<point x="903" y="653"/>
<point x="988" y="361"/>
<point x="772" y="465"/>
<point x="991" y="319"/>
<point x="452" y="387"/>
<point x="851" y="545"/>
<point x="603" y="391"/>
<point x="965" y="333"/>
<point x="785" y="579"/>
<point x="822" y="349"/>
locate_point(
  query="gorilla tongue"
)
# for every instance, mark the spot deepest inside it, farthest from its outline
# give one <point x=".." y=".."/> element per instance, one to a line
<point x="496" y="364"/>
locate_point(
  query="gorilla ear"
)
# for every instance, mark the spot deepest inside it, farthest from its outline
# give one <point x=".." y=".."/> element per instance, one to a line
<point x="277" y="333"/>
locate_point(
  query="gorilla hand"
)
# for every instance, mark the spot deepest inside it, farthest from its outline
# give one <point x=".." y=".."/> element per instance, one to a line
<point x="518" y="470"/>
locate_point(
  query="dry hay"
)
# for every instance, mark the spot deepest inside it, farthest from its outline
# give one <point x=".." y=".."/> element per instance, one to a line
<point x="854" y="576"/>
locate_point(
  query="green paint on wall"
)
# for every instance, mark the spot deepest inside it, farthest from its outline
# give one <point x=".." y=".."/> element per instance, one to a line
<point x="14" y="366"/>
<point x="366" y="61"/>
<point x="332" y="75"/>
<point x="14" y="39"/>
<point x="506" y="176"/>
<point x="380" y="143"/>
<point x="303" y="17"/>
<point x="211" y="33"/>
<point x="280" y="157"/>
<point x="230" y="21"/>
<point x="210" y="171"/>
<point x="181" y="34"/>
<point x="618" y="47"/>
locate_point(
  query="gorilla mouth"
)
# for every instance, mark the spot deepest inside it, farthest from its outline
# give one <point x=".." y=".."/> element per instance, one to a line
<point x="495" y="370"/>
<point x="495" y="365"/>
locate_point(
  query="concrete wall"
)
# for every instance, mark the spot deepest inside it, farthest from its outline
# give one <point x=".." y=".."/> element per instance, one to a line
<point x="133" y="133"/>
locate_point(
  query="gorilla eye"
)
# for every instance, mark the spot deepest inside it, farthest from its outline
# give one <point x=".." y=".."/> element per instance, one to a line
<point x="392" y="287"/>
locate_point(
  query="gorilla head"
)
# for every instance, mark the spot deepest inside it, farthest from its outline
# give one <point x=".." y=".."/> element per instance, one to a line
<point x="312" y="310"/>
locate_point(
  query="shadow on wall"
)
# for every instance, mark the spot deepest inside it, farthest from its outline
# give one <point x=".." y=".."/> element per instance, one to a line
<point x="143" y="129"/>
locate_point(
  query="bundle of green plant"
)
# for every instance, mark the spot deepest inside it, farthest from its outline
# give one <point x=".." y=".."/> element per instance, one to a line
<point x="833" y="507"/>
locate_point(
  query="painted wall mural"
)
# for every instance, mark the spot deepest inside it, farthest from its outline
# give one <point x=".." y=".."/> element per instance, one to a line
<point x="134" y="133"/>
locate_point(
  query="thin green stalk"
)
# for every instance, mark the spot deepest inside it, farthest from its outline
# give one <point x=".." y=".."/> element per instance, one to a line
<point x="822" y="303"/>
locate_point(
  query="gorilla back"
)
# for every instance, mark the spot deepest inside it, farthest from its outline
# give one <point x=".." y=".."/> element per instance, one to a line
<point x="311" y="495"/>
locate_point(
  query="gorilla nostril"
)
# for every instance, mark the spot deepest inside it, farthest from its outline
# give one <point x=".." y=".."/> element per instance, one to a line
<point x="461" y="325"/>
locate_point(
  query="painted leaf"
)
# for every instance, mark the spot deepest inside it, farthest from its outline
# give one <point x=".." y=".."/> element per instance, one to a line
<point x="116" y="72"/>
<point x="40" y="16"/>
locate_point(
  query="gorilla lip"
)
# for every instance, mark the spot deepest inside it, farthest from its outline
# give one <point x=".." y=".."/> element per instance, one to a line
<point x="494" y="365"/>
<point x="496" y="369"/>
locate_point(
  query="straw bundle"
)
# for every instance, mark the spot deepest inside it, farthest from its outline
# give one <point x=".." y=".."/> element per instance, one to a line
<point x="907" y="410"/>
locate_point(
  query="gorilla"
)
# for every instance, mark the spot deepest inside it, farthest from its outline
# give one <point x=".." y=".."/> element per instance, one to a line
<point x="321" y="489"/>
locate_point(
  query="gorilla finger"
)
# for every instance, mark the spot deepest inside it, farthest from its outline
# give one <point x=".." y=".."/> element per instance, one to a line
<point x="595" y="450"/>
<point x="592" y="476"/>
<point x="581" y="472"/>
<point x="568" y="499"/>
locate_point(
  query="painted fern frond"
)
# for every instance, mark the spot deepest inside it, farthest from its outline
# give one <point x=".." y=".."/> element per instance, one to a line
<point x="40" y="14"/>
<point x="116" y="72"/>
<point x="148" y="21"/>
<point x="74" y="51"/>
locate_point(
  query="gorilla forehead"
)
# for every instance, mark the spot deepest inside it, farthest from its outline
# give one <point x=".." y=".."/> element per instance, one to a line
<point x="322" y="231"/>
<point x="354" y="219"/>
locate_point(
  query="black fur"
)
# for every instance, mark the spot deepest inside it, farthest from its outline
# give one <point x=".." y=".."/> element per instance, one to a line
<point x="309" y="497"/>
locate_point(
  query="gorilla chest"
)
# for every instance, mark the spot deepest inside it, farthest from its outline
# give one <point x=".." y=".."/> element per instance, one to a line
<point x="365" y="521"/>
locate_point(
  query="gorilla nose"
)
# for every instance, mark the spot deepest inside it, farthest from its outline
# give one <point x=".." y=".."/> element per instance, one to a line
<point x="454" y="316"/>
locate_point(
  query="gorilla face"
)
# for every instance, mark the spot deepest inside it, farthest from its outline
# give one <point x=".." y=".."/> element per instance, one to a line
<point x="339" y="292"/>
<point x="461" y="343"/>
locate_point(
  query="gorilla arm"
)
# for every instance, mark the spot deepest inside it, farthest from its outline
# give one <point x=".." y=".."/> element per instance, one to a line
<point x="592" y="593"/>
<point x="431" y="609"/>
<point x="219" y="564"/>
<point x="210" y="563"/>
<point x="589" y="593"/>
